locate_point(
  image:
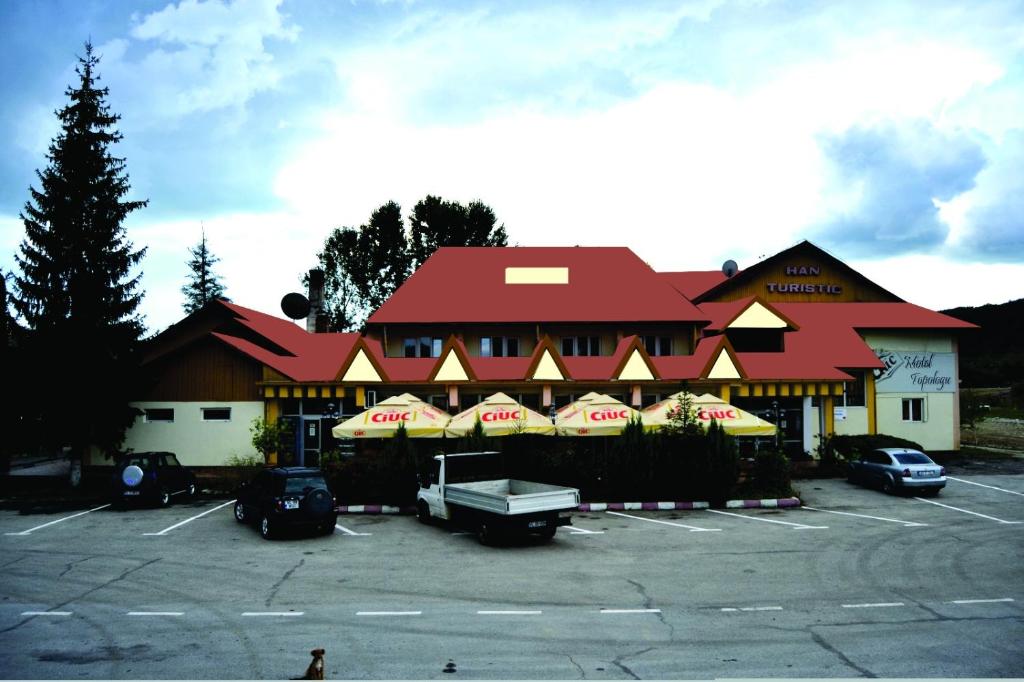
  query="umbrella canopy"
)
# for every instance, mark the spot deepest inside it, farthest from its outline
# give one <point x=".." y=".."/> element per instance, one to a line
<point x="732" y="419"/>
<point x="500" y="415"/>
<point x="595" y="415"/>
<point x="421" y="420"/>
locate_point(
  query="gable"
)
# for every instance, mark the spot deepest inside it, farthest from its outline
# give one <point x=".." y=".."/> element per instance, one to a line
<point x="636" y="369"/>
<point x="723" y="367"/>
<point x="757" y="316"/>
<point x="801" y="274"/>
<point x="361" y="369"/>
<point x="451" y="369"/>
<point x="547" y="369"/>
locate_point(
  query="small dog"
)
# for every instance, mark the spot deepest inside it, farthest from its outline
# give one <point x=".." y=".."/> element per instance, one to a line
<point x="315" y="671"/>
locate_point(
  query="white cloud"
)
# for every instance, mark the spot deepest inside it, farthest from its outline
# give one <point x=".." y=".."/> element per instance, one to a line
<point x="208" y="56"/>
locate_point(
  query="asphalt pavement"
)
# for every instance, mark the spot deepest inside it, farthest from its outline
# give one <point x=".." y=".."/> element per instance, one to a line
<point x="854" y="584"/>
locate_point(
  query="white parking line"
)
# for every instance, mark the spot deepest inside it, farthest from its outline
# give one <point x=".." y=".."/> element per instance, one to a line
<point x="908" y="524"/>
<point x="630" y="610"/>
<point x="1004" y="490"/>
<point x="156" y="613"/>
<point x="796" y="526"/>
<point x="509" y="613"/>
<point x="979" y="601"/>
<point x="965" y="511"/>
<point x="346" y="531"/>
<point x="583" y="531"/>
<point x="879" y="605"/>
<point x="26" y="532"/>
<point x="182" y="523"/>
<point x="46" y="613"/>
<point x="754" y="608"/>
<point x="693" y="529"/>
<point x="389" y="613"/>
<point x="273" y="613"/>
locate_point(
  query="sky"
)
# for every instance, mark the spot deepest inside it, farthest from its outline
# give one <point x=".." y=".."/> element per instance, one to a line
<point x="889" y="133"/>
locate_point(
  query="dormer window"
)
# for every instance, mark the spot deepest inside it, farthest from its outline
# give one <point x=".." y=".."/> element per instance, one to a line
<point x="499" y="347"/>
<point x="581" y="345"/>
<point x="422" y="347"/>
<point x="658" y="345"/>
<point x="756" y="340"/>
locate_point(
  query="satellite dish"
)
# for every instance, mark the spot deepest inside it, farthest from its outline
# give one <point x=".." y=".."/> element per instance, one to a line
<point x="295" y="306"/>
<point x="729" y="268"/>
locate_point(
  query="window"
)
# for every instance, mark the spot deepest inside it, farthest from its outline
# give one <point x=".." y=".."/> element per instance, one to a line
<point x="912" y="458"/>
<point x="581" y="345"/>
<point x="216" y="414"/>
<point x="159" y="414"/>
<point x="169" y="460"/>
<point x="913" y="409"/>
<point x="499" y="347"/>
<point x="371" y="399"/>
<point x="422" y="347"/>
<point x="756" y="340"/>
<point x="854" y="391"/>
<point x="658" y="345"/>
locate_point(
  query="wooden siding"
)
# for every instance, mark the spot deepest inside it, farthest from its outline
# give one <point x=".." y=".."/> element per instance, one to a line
<point x="853" y="289"/>
<point x="205" y="370"/>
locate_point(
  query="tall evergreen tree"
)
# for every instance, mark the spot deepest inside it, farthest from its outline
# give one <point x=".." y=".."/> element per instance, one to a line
<point x="76" y="291"/>
<point x="203" y="284"/>
<point x="436" y="223"/>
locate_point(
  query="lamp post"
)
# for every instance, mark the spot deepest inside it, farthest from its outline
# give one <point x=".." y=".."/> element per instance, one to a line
<point x="778" y="425"/>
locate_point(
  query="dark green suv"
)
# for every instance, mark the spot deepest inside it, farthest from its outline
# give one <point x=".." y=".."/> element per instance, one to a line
<point x="287" y="497"/>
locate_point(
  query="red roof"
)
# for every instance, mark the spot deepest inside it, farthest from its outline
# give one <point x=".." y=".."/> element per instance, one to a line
<point x="467" y="284"/>
<point x="693" y="284"/>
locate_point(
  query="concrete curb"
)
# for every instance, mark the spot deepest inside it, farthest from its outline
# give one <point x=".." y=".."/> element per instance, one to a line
<point x="639" y="506"/>
<point x="601" y="506"/>
<point x="763" y="504"/>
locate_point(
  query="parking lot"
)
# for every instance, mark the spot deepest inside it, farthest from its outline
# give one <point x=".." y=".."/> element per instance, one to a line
<point x="855" y="583"/>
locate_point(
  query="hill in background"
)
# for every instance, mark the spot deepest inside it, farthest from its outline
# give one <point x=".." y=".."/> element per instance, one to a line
<point x="993" y="355"/>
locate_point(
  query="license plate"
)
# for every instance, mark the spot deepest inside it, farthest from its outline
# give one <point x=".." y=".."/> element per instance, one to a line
<point x="291" y="504"/>
<point x="926" y="474"/>
<point x="131" y="492"/>
<point x="536" y="524"/>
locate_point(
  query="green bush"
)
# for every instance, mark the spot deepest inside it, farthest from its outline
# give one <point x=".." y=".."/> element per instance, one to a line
<point x="772" y="474"/>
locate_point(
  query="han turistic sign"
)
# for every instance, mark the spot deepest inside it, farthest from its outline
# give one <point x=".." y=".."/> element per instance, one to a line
<point x="908" y="371"/>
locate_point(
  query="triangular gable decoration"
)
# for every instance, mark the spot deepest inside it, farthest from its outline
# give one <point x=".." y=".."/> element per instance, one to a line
<point x="451" y="369"/>
<point x="361" y="369"/>
<point x="724" y="368"/>
<point x="547" y="369"/>
<point x="635" y="368"/>
<point x="758" y="316"/>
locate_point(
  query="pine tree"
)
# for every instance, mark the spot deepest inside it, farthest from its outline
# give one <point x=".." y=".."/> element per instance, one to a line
<point x="203" y="285"/>
<point x="75" y="291"/>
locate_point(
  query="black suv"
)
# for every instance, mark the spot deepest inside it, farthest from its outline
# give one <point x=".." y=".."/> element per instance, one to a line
<point x="287" y="497"/>
<point x="150" y="477"/>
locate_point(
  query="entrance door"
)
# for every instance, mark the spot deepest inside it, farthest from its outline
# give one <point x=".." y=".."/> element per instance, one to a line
<point x="311" y="442"/>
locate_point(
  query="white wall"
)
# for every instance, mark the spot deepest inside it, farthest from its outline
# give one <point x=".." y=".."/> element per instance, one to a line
<point x="194" y="441"/>
<point x="856" y="422"/>
<point x="940" y="429"/>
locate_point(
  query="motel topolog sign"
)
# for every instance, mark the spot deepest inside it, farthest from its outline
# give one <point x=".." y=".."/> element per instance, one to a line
<point x="915" y="372"/>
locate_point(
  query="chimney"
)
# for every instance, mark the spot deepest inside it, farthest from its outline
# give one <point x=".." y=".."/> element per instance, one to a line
<point x="316" y="321"/>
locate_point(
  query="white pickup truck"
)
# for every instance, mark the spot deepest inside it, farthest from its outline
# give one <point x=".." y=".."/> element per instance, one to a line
<point x="463" y="488"/>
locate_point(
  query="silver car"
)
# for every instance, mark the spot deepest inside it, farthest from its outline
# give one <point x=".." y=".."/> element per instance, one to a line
<point x="895" y="469"/>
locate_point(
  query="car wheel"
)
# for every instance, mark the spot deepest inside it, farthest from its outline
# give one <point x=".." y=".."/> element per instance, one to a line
<point x="240" y="512"/>
<point x="888" y="486"/>
<point x="423" y="513"/>
<point x="327" y="528"/>
<point x="266" y="530"/>
<point x="164" y="497"/>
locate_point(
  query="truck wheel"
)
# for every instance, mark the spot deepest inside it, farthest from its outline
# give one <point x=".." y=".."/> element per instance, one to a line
<point x="548" y="533"/>
<point x="485" y="534"/>
<point x="163" y="497"/>
<point x="191" y="490"/>
<point x="423" y="513"/>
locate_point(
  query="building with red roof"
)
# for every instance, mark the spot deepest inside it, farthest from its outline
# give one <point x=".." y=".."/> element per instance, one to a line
<point x="799" y="338"/>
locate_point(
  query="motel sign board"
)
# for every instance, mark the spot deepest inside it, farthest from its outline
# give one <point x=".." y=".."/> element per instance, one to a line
<point x="909" y="371"/>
